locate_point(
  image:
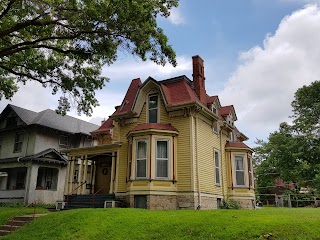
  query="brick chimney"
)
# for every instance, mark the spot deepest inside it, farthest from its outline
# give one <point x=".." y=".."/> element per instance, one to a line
<point x="198" y="78"/>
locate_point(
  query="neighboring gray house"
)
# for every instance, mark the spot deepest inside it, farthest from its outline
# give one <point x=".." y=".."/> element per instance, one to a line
<point x="31" y="164"/>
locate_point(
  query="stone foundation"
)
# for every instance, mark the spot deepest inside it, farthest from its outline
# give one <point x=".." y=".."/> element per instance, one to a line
<point x="172" y="202"/>
<point x="245" y="203"/>
<point x="160" y="202"/>
<point x="187" y="202"/>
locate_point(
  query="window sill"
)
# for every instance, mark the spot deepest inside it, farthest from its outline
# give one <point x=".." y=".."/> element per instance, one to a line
<point x="218" y="185"/>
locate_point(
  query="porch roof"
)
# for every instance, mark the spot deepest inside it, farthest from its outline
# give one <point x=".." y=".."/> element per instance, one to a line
<point x="49" y="155"/>
<point x="106" y="148"/>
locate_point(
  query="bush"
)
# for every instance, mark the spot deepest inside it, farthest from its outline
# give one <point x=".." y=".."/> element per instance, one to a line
<point x="11" y="204"/>
<point x="229" y="204"/>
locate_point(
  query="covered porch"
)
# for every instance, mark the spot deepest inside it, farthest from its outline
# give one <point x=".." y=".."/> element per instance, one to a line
<point x="92" y="170"/>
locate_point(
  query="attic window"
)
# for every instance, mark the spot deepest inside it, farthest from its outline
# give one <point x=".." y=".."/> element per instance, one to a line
<point x="11" y="121"/>
<point x="153" y="109"/>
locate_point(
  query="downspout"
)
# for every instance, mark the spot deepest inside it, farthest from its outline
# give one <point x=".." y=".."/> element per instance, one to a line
<point x="197" y="164"/>
<point x="222" y="153"/>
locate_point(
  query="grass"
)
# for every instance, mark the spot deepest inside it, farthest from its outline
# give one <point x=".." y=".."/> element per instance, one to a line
<point x="282" y="223"/>
<point x="7" y="212"/>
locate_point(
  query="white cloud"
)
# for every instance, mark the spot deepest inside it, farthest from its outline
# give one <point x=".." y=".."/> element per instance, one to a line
<point x="176" y="16"/>
<point x="263" y="86"/>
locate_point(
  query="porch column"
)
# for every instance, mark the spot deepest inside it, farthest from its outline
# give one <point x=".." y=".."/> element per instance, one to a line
<point x="80" y="176"/>
<point x="66" y="185"/>
<point x="113" y="165"/>
<point x="85" y="174"/>
<point x="94" y="175"/>
<point x="71" y="174"/>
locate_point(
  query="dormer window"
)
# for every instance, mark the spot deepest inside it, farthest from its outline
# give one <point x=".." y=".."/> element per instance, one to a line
<point x="214" y="108"/>
<point x="153" y="108"/>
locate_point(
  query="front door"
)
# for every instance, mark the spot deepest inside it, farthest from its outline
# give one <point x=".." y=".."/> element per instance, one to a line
<point x="103" y="175"/>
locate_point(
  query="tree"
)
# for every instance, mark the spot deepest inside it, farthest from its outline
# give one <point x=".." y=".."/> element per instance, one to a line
<point x="293" y="152"/>
<point x="63" y="44"/>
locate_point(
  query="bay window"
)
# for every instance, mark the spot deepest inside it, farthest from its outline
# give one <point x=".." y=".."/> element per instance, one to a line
<point x="141" y="163"/>
<point x="250" y="172"/>
<point x="162" y="159"/>
<point x="239" y="171"/>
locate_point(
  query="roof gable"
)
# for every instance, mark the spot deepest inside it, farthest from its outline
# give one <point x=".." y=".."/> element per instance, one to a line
<point x="228" y="110"/>
<point x="49" y="155"/>
<point x="129" y="98"/>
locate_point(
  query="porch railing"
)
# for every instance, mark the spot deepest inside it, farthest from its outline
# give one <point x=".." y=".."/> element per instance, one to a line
<point x="10" y="219"/>
<point x="67" y="200"/>
<point x="94" y="195"/>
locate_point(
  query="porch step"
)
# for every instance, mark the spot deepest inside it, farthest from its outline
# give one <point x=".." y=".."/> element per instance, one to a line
<point x="4" y="232"/>
<point x="16" y="222"/>
<point x="87" y="201"/>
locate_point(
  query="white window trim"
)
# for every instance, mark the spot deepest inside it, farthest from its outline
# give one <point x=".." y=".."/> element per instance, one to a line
<point x="168" y="159"/>
<point x="215" y="167"/>
<point x="244" y="170"/>
<point x="17" y="142"/>
<point x="158" y="107"/>
<point x="250" y="171"/>
<point x="213" y="106"/>
<point x="62" y="145"/>
<point x="136" y="158"/>
<point x="215" y="131"/>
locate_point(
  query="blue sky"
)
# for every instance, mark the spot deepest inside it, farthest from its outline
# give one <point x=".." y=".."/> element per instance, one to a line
<point x="257" y="53"/>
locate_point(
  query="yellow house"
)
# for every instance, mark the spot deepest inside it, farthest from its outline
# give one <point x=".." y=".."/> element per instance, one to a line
<point x="168" y="145"/>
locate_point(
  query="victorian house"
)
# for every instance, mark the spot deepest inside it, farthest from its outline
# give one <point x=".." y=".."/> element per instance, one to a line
<point x="169" y="145"/>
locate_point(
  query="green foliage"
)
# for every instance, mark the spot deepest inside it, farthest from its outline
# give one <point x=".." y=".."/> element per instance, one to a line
<point x="229" y="204"/>
<point x="292" y="153"/>
<point x="63" y="44"/>
<point x="83" y="224"/>
<point x="11" y="205"/>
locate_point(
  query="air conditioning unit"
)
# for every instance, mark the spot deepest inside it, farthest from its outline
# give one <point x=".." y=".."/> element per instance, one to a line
<point x="60" y="205"/>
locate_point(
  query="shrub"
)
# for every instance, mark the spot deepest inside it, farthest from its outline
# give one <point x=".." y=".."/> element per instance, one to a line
<point x="229" y="204"/>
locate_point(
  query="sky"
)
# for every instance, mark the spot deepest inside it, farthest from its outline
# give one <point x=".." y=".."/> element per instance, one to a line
<point x="256" y="53"/>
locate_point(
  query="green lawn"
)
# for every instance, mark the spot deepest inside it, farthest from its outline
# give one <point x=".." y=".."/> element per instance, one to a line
<point x="7" y="212"/>
<point x="282" y="223"/>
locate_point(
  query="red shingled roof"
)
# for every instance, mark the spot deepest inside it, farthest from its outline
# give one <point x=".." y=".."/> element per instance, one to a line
<point x="158" y="126"/>
<point x="107" y="125"/>
<point x="236" y="145"/>
<point x="178" y="92"/>
<point x="129" y="97"/>
<point x="225" y="111"/>
<point x="211" y="99"/>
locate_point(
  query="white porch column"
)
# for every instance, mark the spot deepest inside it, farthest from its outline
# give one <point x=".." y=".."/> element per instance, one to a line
<point x="66" y="186"/>
<point x="72" y="163"/>
<point x="80" y="179"/>
<point x="85" y="174"/>
<point x="113" y="165"/>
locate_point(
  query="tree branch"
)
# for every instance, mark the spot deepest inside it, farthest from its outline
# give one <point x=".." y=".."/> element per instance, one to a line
<point x="6" y="10"/>
<point x="29" y="76"/>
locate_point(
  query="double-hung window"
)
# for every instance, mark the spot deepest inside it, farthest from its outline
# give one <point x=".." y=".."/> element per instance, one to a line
<point x="153" y="108"/>
<point x="63" y="142"/>
<point x="162" y="159"/>
<point x="141" y="164"/>
<point x="217" y="167"/>
<point x="239" y="171"/>
<point x="250" y="172"/>
<point x="18" y="142"/>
